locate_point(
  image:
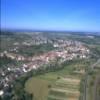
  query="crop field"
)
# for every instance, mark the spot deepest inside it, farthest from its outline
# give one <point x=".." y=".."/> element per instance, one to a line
<point x="65" y="88"/>
<point x="38" y="87"/>
<point x="59" y="85"/>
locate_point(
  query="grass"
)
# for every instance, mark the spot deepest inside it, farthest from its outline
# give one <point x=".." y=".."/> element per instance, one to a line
<point x="66" y="87"/>
<point x="92" y="84"/>
<point x="57" y="93"/>
<point x="37" y="87"/>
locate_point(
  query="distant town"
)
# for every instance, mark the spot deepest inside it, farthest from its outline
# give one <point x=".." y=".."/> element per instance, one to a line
<point x="63" y="50"/>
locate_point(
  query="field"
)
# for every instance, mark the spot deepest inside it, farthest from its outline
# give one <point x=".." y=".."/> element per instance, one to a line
<point x="94" y="84"/>
<point x="38" y="87"/>
<point x="65" y="88"/>
<point x="59" y="85"/>
<point x="53" y="88"/>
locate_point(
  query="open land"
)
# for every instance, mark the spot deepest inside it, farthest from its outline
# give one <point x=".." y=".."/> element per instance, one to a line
<point x="49" y="66"/>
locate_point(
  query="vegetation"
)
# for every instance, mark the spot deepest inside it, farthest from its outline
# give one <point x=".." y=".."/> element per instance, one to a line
<point x="65" y="82"/>
<point x="51" y="81"/>
<point x="37" y="87"/>
<point x="4" y="61"/>
<point x="49" y="78"/>
<point x="35" y="49"/>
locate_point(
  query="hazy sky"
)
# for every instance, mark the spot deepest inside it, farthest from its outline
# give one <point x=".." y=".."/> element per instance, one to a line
<point x="51" y="14"/>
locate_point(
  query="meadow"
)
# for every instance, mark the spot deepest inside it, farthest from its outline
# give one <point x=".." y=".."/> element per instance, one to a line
<point x="59" y="85"/>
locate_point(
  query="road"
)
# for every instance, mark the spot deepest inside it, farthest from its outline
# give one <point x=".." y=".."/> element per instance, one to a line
<point x="96" y="84"/>
<point x="85" y="96"/>
<point x="93" y="66"/>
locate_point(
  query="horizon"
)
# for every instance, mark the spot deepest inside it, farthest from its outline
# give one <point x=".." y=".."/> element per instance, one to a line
<point x="46" y="30"/>
<point x="51" y="15"/>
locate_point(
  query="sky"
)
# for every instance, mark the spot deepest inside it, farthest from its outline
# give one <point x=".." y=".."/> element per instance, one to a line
<point x="74" y="15"/>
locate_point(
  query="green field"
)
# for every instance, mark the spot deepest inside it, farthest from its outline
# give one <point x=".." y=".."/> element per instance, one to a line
<point x="59" y="85"/>
<point x="38" y="87"/>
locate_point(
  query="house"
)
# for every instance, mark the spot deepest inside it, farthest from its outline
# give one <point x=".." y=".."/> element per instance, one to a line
<point x="1" y="92"/>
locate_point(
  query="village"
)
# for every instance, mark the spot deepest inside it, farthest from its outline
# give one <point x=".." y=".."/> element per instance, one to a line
<point x="65" y="51"/>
